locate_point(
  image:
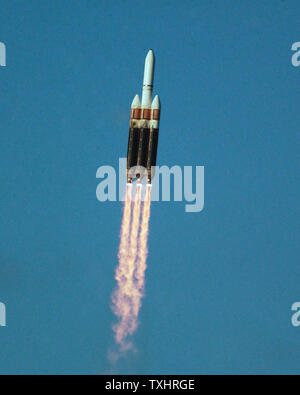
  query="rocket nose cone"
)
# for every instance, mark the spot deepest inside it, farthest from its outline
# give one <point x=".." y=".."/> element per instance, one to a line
<point x="149" y="68"/>
<point x="136" y="103"/>
<point x="156" y="103"/>
<point x="150" y="56"/>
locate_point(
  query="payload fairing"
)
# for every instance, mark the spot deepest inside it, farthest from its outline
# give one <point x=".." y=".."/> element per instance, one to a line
<point x="144" y="128"/>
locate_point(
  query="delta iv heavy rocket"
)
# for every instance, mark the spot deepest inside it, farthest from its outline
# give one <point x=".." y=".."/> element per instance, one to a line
<point x="144" y="128"/>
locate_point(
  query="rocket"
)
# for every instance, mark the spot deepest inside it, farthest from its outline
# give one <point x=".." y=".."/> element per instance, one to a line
<point x="144" y="128"/>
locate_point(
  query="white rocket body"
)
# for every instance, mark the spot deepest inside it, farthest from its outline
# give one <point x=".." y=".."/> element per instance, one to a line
<point x="144" y="127"/>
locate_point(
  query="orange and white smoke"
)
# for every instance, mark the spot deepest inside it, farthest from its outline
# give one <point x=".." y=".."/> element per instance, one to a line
<point x="130" y="273"/>
<point x="141" y="265"/>
<point x="121" y="303"/>
<point x="130" y="287"/>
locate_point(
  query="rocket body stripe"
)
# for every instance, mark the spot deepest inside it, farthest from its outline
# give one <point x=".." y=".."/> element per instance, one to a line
<point x="146" y="114"/>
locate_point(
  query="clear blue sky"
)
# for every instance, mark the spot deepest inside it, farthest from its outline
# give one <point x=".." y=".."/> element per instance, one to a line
<point x="220" y="283"/>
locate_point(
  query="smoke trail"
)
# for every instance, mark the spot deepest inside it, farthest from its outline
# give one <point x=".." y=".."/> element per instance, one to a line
<point x="130" y="273"/>
<point x="131" y="286"/>
<point x="126" y="293"/>
<point x="143" y="249"/>
<point x="121" y="304"/>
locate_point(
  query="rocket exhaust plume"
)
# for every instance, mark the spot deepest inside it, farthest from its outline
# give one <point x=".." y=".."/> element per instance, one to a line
<point x="133" y="251"/>
<point x="130" y="273"/>
<point x="121" y="303"/>
<point x="143" y="248"/>
<point x="126" y="294"/>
